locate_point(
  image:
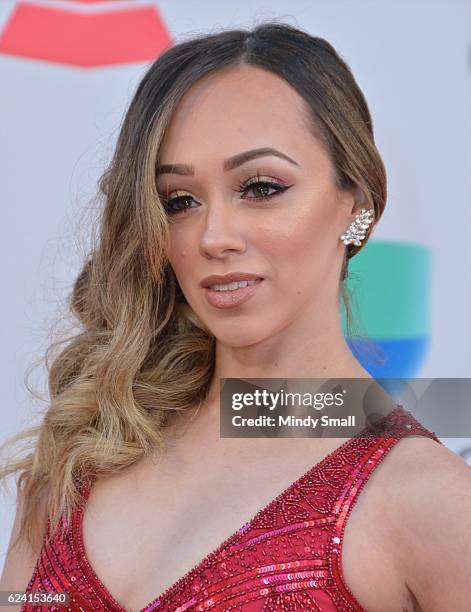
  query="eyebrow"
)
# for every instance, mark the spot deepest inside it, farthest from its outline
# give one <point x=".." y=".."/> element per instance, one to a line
<point x="229" y="164"/>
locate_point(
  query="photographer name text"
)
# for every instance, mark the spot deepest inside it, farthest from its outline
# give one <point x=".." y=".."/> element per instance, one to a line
<point x="292" y="421"/>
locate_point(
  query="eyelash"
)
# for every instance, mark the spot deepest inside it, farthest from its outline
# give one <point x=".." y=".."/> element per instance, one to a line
<point x="242" y="188"/>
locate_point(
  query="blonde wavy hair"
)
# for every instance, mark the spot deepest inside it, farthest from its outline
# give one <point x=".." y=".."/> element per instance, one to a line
<point x="140" y="352"/>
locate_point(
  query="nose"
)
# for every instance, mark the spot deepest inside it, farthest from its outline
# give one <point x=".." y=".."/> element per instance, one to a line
<point x="221" y="233"/>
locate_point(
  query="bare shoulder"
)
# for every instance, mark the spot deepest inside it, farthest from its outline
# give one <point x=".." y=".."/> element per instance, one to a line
<point x="429" y="488"/>
<point x="20" y="560"/>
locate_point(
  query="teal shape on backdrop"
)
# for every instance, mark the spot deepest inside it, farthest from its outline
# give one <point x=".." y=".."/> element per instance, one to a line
<point x="389" y="286"/>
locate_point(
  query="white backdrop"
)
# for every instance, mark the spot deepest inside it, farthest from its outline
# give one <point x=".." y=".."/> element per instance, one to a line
<point x="59" y="124"/>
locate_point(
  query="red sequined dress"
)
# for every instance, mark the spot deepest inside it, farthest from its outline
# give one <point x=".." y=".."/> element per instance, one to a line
<point x="287" y="558"/>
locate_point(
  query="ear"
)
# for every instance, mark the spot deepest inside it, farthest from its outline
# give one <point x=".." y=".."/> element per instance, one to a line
<point x="360" y="200"/>
<point x="354" y="199"/>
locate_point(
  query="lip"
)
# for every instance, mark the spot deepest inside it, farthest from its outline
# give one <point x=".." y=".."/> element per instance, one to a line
<point x="223" y="279"/>
<point x="230" y="299"/>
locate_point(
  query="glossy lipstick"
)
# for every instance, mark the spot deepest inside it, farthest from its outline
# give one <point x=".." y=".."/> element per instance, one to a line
<point x="230" y="298"/>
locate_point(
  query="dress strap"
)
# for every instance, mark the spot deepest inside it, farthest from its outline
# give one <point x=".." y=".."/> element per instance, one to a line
<point x="402" y="424"/>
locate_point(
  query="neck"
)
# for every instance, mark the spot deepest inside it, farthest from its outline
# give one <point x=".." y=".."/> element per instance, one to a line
<point x="292" y="353"/>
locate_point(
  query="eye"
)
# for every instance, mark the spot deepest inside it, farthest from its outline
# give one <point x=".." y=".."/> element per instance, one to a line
<point x="181" y="204"/>
<point x="176" y="205"/>
<point x="262" y="187"/>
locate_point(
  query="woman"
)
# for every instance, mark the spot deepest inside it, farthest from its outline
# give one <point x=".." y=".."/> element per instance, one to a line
<point x="243" y="155"/>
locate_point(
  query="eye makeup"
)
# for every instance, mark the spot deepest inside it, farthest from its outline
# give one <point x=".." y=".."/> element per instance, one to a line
<point x="260" y="183"/>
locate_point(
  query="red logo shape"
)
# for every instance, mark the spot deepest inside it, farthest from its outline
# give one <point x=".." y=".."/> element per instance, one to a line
<point x="88" y="40"/>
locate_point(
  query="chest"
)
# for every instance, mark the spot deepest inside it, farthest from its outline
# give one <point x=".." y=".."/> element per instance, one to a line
<point x="161" y="523"/>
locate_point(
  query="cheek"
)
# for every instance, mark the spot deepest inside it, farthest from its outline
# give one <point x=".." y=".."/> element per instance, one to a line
<point x="301" y="242"/>
<point x="179" y="251"/>
<point x="300" y="251"/>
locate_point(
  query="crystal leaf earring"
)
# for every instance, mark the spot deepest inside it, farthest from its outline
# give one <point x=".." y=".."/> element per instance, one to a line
<point x="357" y="229"/>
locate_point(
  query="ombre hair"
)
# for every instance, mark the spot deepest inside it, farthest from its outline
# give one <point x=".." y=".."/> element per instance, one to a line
<point x="140" y="353"/>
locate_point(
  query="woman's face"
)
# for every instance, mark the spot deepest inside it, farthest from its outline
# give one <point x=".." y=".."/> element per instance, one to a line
<point x="276" y="215"/>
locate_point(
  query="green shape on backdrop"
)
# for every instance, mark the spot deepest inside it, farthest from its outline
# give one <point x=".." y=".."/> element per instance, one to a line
<point x="389" y="284"/>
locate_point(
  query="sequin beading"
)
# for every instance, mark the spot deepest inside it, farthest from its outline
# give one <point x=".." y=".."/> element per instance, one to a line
<point x="288" y="558"/>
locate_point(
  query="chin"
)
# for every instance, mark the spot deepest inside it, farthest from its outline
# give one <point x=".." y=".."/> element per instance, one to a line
<point x="237" y="336"/>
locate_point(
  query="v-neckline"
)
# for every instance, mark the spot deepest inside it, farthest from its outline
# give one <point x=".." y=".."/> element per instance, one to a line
<point x="77" y="529"/>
